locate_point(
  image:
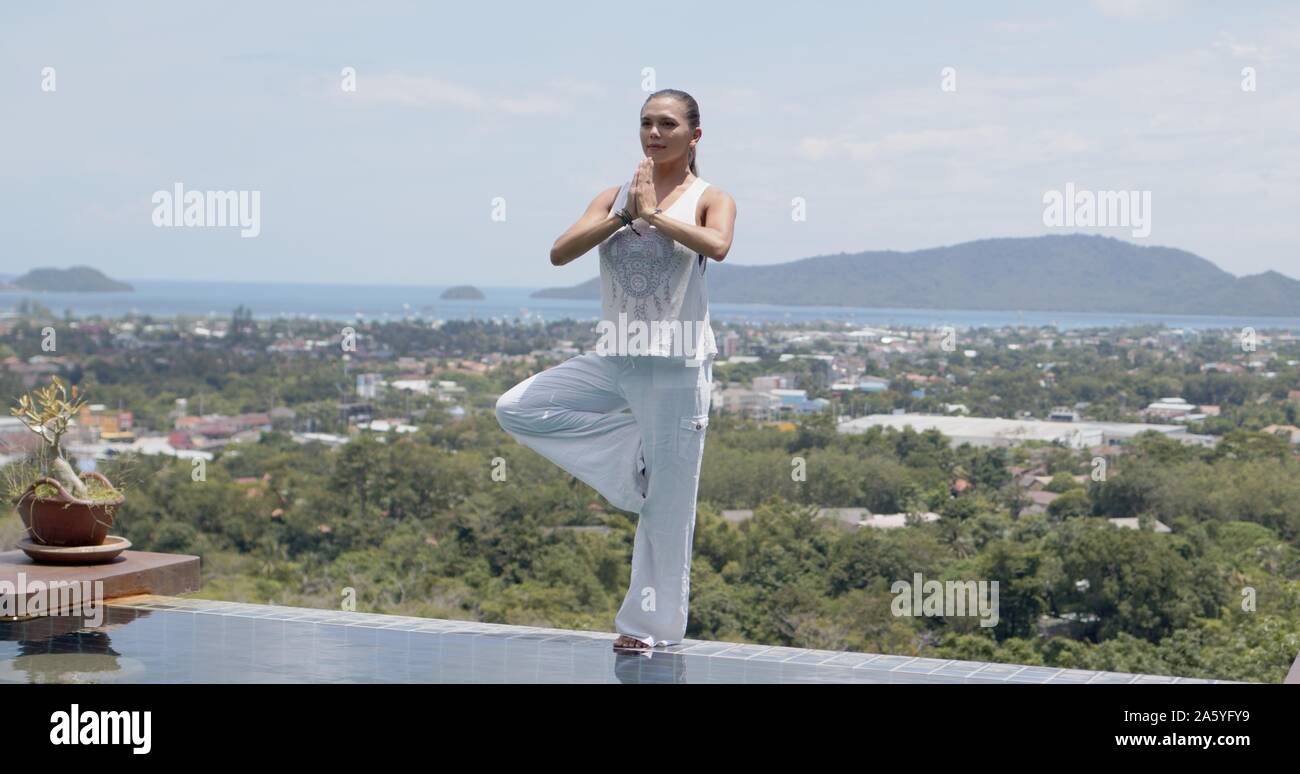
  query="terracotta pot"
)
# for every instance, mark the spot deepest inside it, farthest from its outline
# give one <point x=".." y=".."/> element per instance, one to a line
<point x="64" y="520"/>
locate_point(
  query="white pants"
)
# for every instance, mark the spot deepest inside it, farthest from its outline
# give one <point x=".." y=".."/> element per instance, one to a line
<point x="572" y="414"/>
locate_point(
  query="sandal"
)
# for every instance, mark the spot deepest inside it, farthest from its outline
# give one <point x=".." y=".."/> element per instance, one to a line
<point x="628" y="642"/>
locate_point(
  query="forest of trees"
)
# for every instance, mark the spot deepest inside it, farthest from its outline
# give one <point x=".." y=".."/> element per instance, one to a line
<point x="416" y="524"/>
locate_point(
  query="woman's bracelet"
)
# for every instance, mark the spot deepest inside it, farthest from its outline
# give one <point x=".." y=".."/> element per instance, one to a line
<point x="627" y="220"/>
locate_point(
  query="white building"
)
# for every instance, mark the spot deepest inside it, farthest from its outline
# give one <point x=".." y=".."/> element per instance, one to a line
<point x="981" y="431"/>
<point x="417" y="386"/>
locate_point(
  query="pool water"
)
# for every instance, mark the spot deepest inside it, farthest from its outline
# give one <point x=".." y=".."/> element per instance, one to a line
<point x="175" y="640"/>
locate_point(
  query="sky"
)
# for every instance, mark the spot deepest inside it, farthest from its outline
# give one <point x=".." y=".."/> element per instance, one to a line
<point x="477" y="133"/>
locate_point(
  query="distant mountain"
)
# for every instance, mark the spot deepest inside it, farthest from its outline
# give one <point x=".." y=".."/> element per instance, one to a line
<point x="463" y="293"/>
<point x="1062" y="273"/>
<point x="78" y="279"/>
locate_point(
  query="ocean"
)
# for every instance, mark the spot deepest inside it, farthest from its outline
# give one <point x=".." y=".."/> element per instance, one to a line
<point x="396" y="302"/>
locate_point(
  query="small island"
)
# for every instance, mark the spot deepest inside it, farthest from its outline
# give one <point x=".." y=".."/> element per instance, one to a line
<point x="462" y="293"/>
<point x="77" y="279"/>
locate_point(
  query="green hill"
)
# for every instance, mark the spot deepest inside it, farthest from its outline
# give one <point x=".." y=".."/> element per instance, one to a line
<point x="1065" y="273"/>
<point x="77" y="279"/>
<point x="463" y="293"/>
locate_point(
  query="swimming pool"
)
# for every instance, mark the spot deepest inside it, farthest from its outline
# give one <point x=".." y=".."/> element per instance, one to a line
<point x="175" y="640"/>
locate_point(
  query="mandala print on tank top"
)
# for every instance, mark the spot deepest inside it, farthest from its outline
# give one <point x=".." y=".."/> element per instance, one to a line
<point x="641" y="267"/>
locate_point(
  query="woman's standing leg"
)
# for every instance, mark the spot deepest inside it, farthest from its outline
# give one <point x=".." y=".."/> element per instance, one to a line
<point x="671" y="400"/>
<point x="570" y="414"/>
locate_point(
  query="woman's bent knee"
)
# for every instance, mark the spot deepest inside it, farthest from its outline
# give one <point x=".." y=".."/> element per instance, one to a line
<point x="507" y="410"/>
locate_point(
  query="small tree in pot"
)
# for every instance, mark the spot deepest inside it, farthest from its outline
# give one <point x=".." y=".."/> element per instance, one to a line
<point x="57" y="507"/>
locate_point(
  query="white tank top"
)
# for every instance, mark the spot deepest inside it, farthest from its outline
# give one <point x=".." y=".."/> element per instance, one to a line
<point x="658" y="281"/>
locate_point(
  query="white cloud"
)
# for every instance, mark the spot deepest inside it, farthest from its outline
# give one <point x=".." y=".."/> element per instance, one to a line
<point x="816" y="148"/>
<point x="1023" y="26"/>
<point x="576" y="88"/>
<point x="1133" y="9"/>
<point x="1239" y="50"/>
<point x="899" y="143"/>
<point x="931" y="140"/>
<point x="427" y="91"/>
<point x="1068" y="142"/>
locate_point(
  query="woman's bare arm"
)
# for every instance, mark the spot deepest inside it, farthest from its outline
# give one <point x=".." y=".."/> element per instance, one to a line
<point x="594" y="227"/>
<point x="714" y="237"/>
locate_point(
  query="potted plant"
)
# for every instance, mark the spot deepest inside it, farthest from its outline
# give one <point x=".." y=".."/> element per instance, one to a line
<point x="58" y="507"/>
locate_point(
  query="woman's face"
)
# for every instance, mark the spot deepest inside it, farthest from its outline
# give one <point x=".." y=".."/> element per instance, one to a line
<point x="663" y="124"/>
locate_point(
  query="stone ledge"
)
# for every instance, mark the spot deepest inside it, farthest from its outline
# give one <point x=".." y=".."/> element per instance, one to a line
<point x="131" y="573"/>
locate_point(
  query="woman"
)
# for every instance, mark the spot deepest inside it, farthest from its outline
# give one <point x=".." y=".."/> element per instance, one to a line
<point x="654" y="358"/>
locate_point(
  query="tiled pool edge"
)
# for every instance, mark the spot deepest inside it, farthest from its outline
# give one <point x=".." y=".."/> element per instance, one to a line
<point x="956" y="670"/>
